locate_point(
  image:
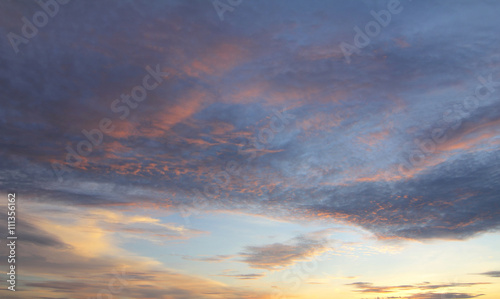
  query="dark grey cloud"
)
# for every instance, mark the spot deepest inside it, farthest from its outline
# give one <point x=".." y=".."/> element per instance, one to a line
<point x="491" y="273"/>
<point x="368" y="287"/>
<point x="352" y="122"/>
<point x="65" y="286"/>
<point x="30" y="233"/>
<point x="443" y="295"/>
<point x="281" y="255"/>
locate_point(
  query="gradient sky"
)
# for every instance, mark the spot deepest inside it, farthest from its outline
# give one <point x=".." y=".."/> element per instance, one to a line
<point x="274" y="152"/>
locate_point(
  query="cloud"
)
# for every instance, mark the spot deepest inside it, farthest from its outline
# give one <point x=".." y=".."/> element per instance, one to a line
<point x="278" y="256"/>
<point x="94" y="262"/>
<point x="368" y="287"/>
<point x="491" y="273"/>
<point x="337" y="160"/>
<point x="442" y="295"/>
<point x="245" y="276"/>
<point x="32" y="234"/>
<point x="60" y="286"/>
<point x="216" y="258"/>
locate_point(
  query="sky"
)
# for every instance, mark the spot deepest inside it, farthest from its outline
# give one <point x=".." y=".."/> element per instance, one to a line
<point x="251" y="149"/>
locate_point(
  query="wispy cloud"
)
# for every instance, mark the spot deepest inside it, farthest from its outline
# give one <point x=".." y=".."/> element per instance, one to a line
<point x="245" y="276"/>
<point x="368" y="287"/>
<point x="491" y="273"/>
<point x="216" y="258"/>
<point x="443" y="295"/>
<point x="278" y="256"/>
<point x="89" y="259"/>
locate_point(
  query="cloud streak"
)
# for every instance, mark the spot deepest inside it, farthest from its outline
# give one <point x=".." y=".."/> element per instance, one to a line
<point x="278" y="256"/>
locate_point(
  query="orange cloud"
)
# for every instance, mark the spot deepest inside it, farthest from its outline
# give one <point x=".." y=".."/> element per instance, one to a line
<point x="219" y="59"/>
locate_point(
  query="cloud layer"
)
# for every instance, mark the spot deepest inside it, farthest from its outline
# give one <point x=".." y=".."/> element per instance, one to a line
<point x="260" y="114"/>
